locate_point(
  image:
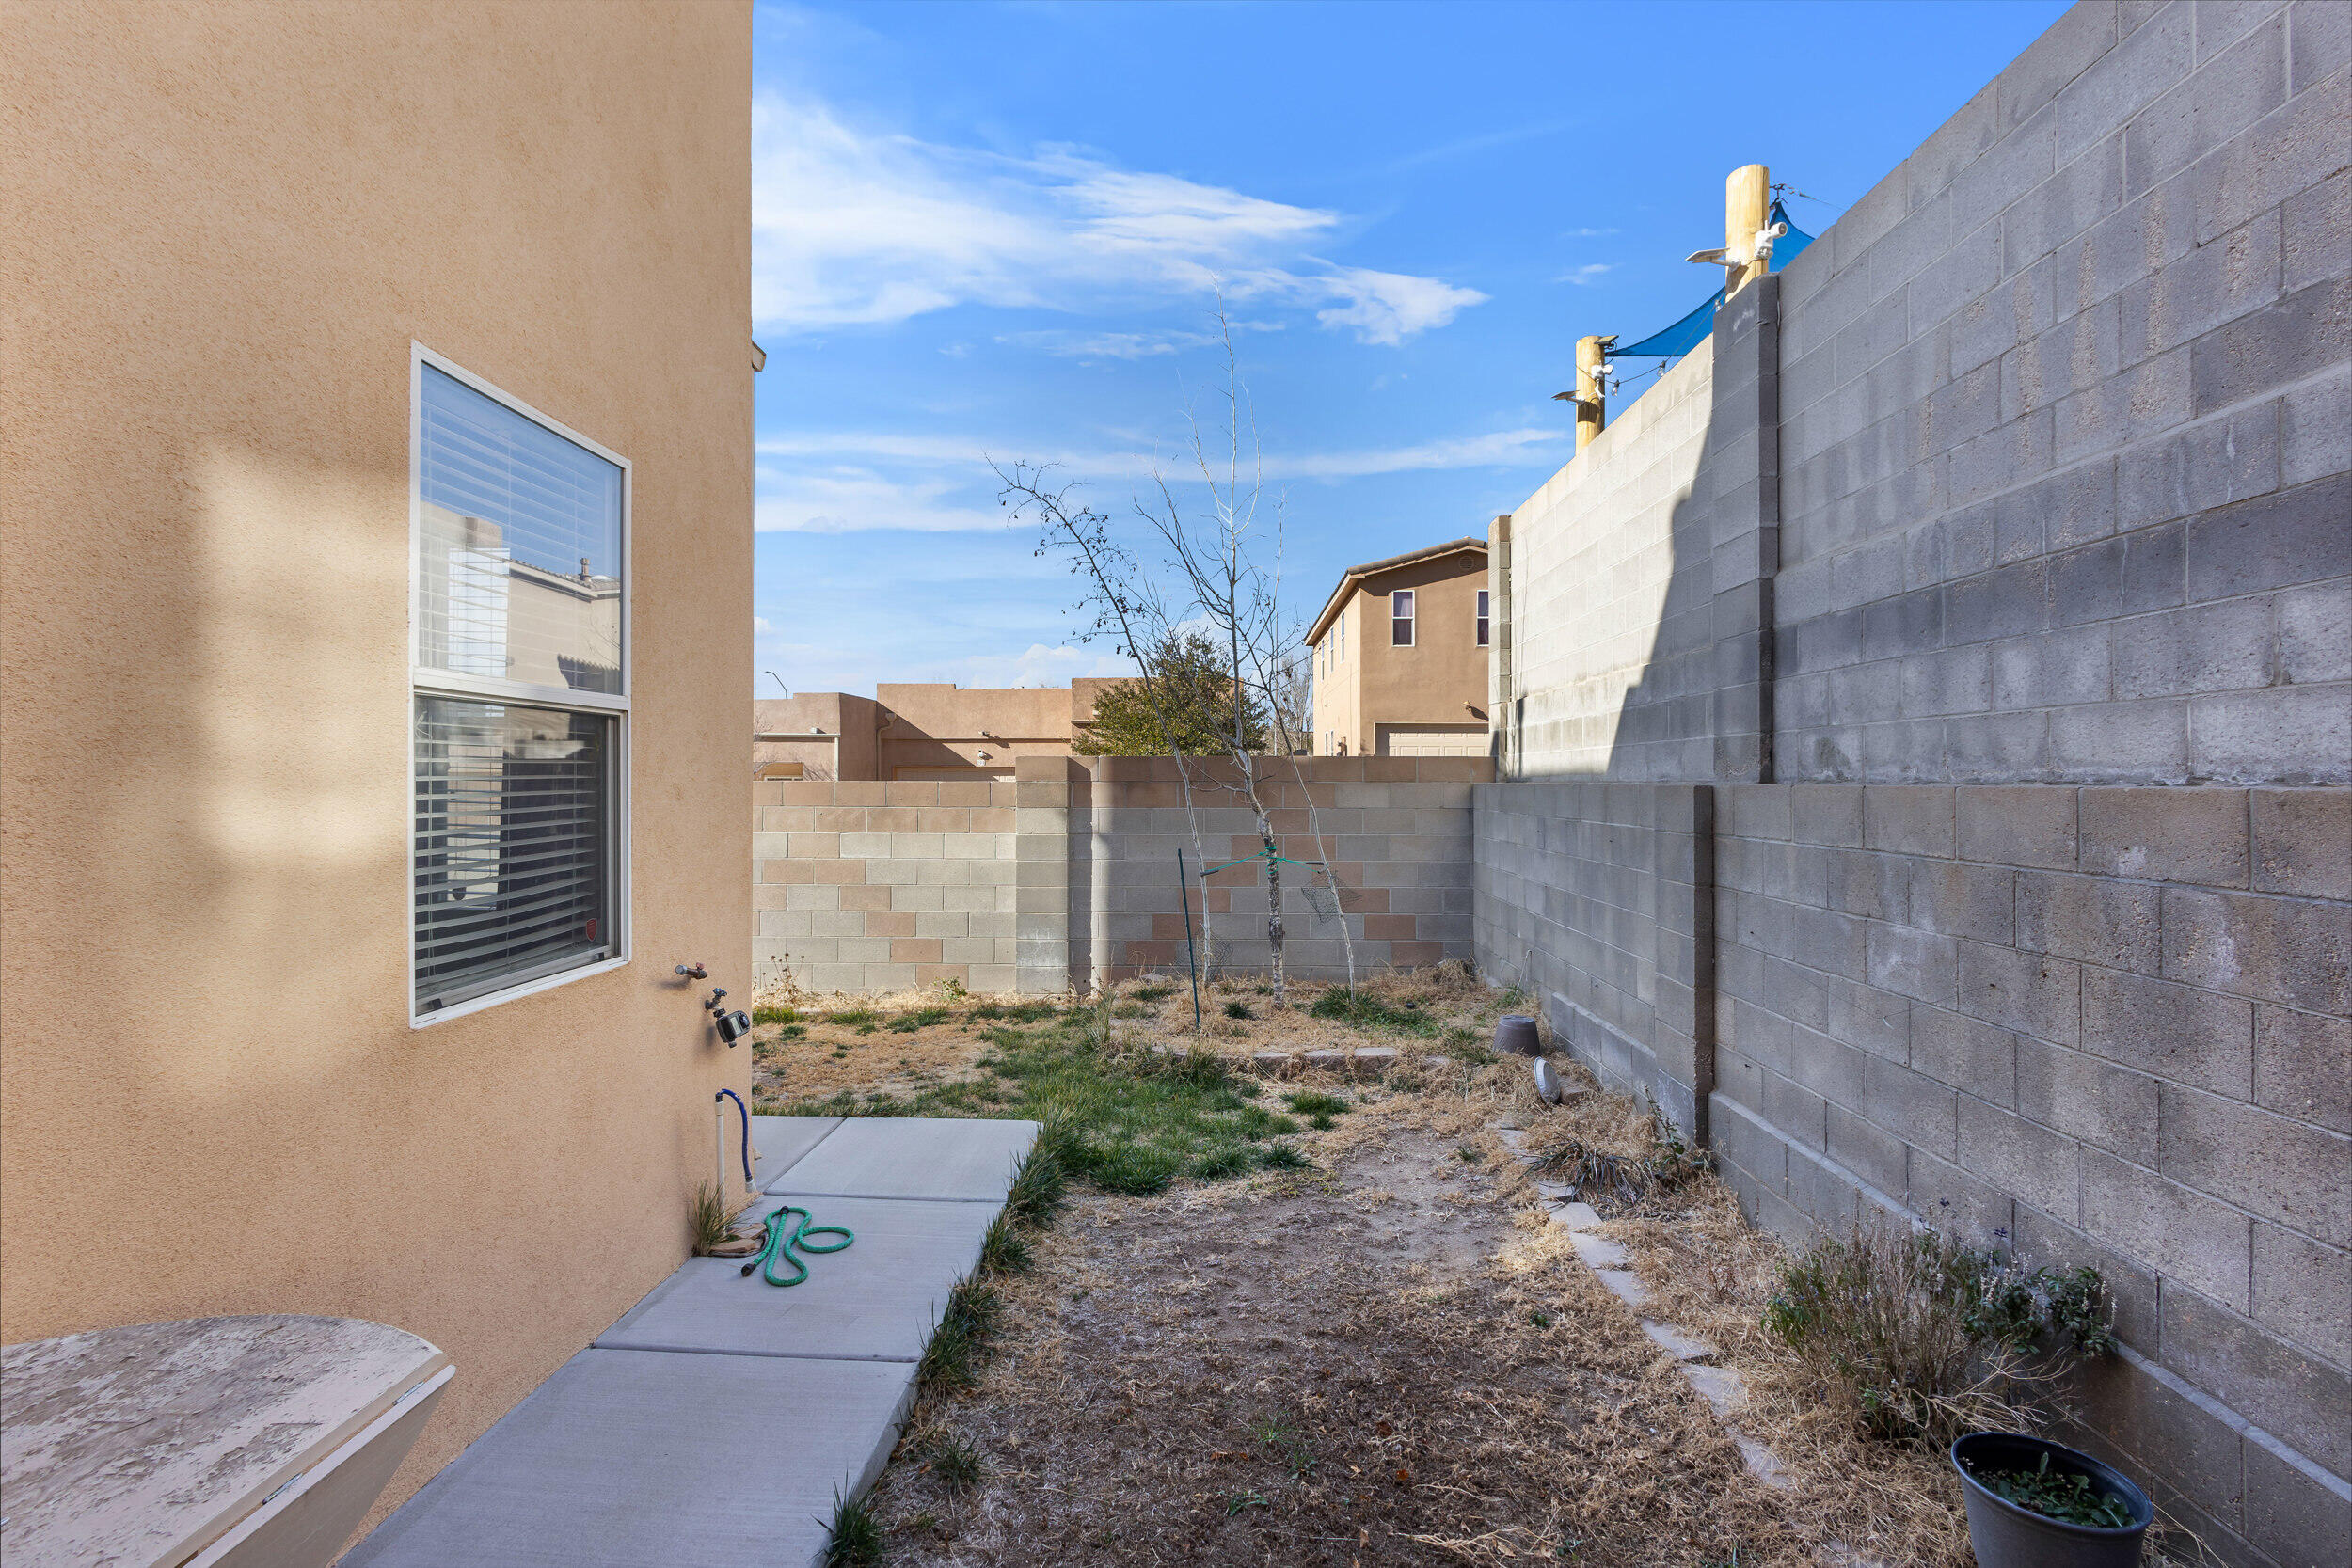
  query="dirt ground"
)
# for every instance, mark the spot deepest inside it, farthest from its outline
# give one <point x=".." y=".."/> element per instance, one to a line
<point x="1387" y="1358"/>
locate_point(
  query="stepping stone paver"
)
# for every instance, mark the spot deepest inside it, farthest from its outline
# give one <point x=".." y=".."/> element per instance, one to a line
<point x="875" y="1301"/>
<point x="1623" y="1284"/>
<point x="1681" y="1346"/>
<point x="1723" y="1388"/>
<point x="920" y="1157"/>
<point x="628" y="1458"/>
<point x="1599" y="1252"/>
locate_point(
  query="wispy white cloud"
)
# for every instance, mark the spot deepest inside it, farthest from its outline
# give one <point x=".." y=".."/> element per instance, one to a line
<point x="843" y="499"/>
<point x="1587" y="274"/>
<point x="852" y="482"/>
<point x="1068" y="344"/>
<point x="1586" y="234"/>
<point x="1496" y="449"/>
<point x="849" y="227"/>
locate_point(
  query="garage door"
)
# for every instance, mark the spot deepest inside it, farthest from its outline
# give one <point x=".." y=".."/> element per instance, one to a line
<point x="1433" y="740"/>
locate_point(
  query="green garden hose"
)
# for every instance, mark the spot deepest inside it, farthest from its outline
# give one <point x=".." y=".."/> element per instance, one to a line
<point x="780" y="1244"/>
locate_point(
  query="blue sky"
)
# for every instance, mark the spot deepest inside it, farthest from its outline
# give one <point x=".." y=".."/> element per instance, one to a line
<point x="998" y="231"/>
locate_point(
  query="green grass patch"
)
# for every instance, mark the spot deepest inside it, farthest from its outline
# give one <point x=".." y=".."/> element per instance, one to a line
<point x="775" y="1014"/>
<point x="853" y="1537"/>
<point x="907" y="1023"/>
<point x="1134" y="1009"/>
<point x="957" y="1464"/>
<point x="1367" y="1011"/>
<point x="1127" y="1121"/>
<point x="853" y="1016"/>
<point x="1156" y="991"/>
<point x="1312" y="1102"/>
<point x="1238" y="1009"/>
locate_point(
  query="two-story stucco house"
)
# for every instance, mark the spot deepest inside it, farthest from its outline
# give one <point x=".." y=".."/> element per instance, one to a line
<point x="1399" y="656"/>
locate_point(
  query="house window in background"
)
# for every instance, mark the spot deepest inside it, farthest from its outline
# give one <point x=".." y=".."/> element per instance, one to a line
<point x="1482" y="617"/>
<point x="521" y="697"/>
<point x="1401" y="618"/>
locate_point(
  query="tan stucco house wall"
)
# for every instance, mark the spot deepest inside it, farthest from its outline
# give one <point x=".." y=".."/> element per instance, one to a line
<point x="226" y="223"/>
<point x="1374" y="697"/>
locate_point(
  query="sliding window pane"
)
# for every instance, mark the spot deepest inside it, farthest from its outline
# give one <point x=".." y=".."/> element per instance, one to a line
<point x="518" y="570"/>
<point x="514" y="860"/>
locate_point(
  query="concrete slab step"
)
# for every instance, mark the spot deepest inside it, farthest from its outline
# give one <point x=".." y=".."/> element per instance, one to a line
<point x="875" y="1301"/>
<point x="1681" y="1346"/>
<point x="777" y="1142"/>
<point x="911" y="1157"/>
<point x="1623" y="1283"/>
<point x="1599" y="1252"/>
<point x="626" y="1458"/>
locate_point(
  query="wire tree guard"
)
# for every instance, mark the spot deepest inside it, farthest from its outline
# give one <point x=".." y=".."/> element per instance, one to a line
<point x="1326" y="899"/>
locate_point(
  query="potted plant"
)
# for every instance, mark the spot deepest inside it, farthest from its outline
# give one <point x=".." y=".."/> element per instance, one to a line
<point x="2037" y="1504"/>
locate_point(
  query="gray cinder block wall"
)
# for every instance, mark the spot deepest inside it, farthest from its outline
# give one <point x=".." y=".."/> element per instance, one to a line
<point x="2034" y="918"/>
<point x="1065" y="877"/>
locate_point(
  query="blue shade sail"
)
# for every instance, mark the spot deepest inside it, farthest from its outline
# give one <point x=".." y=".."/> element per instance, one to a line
<point x="518" y="570"/>
<point x="1685" y="335"/>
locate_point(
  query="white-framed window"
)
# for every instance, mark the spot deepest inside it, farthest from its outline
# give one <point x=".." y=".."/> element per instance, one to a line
<point x="1401" y="618"/>
<point x="1481" y="616"/>
<point x="1341" y="624"/>
<point x="519" y="697"/>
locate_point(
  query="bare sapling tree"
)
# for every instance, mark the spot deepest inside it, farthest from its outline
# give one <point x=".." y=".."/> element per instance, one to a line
<point x="1215" y="529"/>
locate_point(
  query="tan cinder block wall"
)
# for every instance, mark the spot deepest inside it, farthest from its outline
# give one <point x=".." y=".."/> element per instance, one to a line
<point x="225" y="225"/>
<point x="1066" y="878"/>
<point x="868" y="887"/>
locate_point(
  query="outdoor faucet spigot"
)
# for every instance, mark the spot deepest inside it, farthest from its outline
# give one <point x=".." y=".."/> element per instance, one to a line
<point x="711" y="1006"/>
<point x="694" y="971"/>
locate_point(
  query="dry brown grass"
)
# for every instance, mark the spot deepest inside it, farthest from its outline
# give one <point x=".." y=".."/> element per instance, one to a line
<point x="1237" y="1371"/>
<point x="1327" y="1370"/>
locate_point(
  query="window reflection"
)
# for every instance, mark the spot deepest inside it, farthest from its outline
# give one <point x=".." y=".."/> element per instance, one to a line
<point x="520" y="549"/>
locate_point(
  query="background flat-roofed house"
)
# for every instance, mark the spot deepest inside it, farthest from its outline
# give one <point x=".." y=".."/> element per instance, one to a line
<point x="915" y="732"/>
<point x="1399" y="656"/>
<point x="314" y="309"/>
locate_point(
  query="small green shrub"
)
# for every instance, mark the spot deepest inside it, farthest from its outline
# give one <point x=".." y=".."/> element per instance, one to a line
<point x="853" y="1539"/>
<point x="775" y="1014"/>
<point x="853" y="1016"/>
<point x="1930" y="1337"/>
<point x="1310" y="1103"/>
<point x="958" y="1466"/>
<point x="1239" y="1010"/>
<point x="1135" y="1169"/>
<point x="1281" y="1156"/>
<point x="1157" y="990"/>
<point x="708" y="1219"/>
<point x="2066" y="1494"/>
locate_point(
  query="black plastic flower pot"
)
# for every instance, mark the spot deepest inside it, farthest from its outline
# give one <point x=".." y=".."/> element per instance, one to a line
<point x="2006" y="1535"/>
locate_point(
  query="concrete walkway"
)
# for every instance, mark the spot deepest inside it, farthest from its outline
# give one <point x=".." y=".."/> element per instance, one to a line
<point x="713" y="1426"/>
